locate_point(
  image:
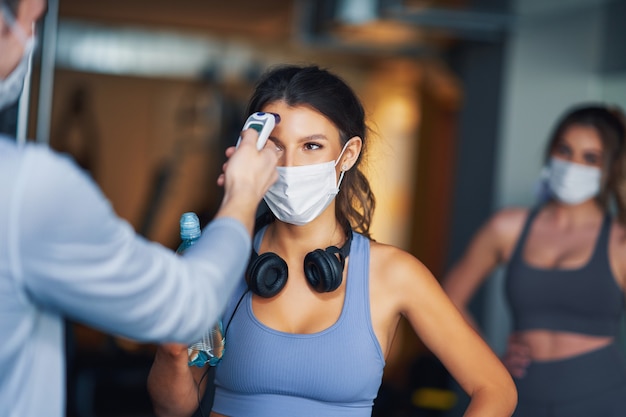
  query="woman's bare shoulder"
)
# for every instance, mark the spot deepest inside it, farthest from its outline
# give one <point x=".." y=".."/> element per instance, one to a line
<point x="389" y="254"/>
<point x="500" y="232"/>
<point x="507" y="220"/>
<point x="395" y="265"/>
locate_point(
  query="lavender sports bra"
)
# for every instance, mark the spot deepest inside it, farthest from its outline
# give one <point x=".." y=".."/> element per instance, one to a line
<point x="336" y="372"/>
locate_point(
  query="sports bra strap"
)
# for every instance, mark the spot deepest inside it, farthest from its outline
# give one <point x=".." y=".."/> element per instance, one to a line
<point x="522" y="238"/>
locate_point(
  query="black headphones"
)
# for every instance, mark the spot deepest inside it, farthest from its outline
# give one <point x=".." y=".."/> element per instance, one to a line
<point x="323" y="268"/>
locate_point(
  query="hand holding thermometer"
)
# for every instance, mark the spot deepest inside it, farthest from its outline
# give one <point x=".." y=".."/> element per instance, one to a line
<point x="263" y="123"/>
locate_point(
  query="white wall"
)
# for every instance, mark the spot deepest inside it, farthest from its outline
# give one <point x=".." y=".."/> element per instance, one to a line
<point x="553" y="57"/>
<point x="613" y="89"/>
<point x="551" y="65"/>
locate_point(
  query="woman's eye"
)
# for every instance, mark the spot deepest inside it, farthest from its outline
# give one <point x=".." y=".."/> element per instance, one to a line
<point x="592" y="159"/>
<point x="278" y="146"/>
<point x="562" y="150"/>
<point x="312" y="146"/>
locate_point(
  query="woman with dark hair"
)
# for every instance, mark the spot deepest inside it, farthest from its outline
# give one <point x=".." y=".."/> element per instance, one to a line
<point x="566" y="272"/>
<point x="308" y="330"/>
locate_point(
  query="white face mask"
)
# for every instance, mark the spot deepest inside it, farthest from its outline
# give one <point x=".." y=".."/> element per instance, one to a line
<point x="573" y="183"/>
<point x="11" y="86"/>
<point x="302" y="193"/>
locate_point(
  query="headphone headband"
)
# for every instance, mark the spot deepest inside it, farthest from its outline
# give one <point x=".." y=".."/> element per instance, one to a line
<point x="323" y="268"/>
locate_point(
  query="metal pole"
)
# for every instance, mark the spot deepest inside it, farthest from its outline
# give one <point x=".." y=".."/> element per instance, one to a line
<point x="23" y="107"/>
<point x="48" y="57"/>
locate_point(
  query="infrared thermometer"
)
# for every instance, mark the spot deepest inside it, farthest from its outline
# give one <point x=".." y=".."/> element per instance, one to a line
<point x="263" y="123"/>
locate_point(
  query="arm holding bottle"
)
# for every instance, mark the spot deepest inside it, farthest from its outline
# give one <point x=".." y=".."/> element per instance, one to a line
<point x="174" y="385"/>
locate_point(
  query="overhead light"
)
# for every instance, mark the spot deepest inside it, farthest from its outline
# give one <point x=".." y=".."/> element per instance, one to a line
<point x="360" y="22"/>
<point x="354" y="12"/>
<point x="380" y="33"/>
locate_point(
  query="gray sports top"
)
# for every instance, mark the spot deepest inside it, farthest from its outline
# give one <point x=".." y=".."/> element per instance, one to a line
<point x="584" y="300"/>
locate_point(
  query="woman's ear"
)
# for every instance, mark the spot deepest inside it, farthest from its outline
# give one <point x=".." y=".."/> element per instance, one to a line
<point x="351" y="153"/>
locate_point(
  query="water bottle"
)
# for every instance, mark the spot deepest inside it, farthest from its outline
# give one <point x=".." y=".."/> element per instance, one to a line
<point x="210" y="348"/>
<point x="189" y="231"/>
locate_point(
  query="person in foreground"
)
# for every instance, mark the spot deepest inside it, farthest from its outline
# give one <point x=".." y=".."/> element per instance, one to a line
<point x="311" y="323"/>
<point x="566" y="272"/>
<point x="65" y="253"/>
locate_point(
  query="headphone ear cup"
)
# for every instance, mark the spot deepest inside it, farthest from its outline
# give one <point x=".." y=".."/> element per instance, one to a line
<point x="267" y="274"/>
<point x="323" y="270"/>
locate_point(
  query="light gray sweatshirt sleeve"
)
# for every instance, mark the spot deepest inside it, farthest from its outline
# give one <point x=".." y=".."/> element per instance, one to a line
<point x="74" y="255"/>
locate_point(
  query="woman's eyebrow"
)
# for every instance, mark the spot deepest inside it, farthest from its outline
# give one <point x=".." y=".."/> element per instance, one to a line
<point x="315" y="136"/>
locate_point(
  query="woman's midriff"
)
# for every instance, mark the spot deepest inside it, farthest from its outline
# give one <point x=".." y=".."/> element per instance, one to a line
<point x="548" y="345"/>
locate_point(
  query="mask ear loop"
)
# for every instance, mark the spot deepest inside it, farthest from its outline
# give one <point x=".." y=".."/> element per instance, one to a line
<point x="344" y="167"/>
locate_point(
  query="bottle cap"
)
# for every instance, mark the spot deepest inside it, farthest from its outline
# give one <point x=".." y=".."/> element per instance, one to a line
<point x="189" y="226"/>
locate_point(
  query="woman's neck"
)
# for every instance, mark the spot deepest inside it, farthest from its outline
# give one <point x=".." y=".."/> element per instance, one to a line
<point x="322" y="232"/>
<point x="567" y="215"/>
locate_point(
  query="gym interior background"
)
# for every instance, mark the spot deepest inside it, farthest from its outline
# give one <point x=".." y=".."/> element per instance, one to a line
<point x="460" y="95"/>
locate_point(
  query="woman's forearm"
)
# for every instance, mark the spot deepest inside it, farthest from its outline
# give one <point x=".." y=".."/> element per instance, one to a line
<point x="495" y="402"/>
<point x="171" y="384"/>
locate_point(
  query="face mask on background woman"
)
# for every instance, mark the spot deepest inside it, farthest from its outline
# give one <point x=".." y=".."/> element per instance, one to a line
<point x="573" y="183"/>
